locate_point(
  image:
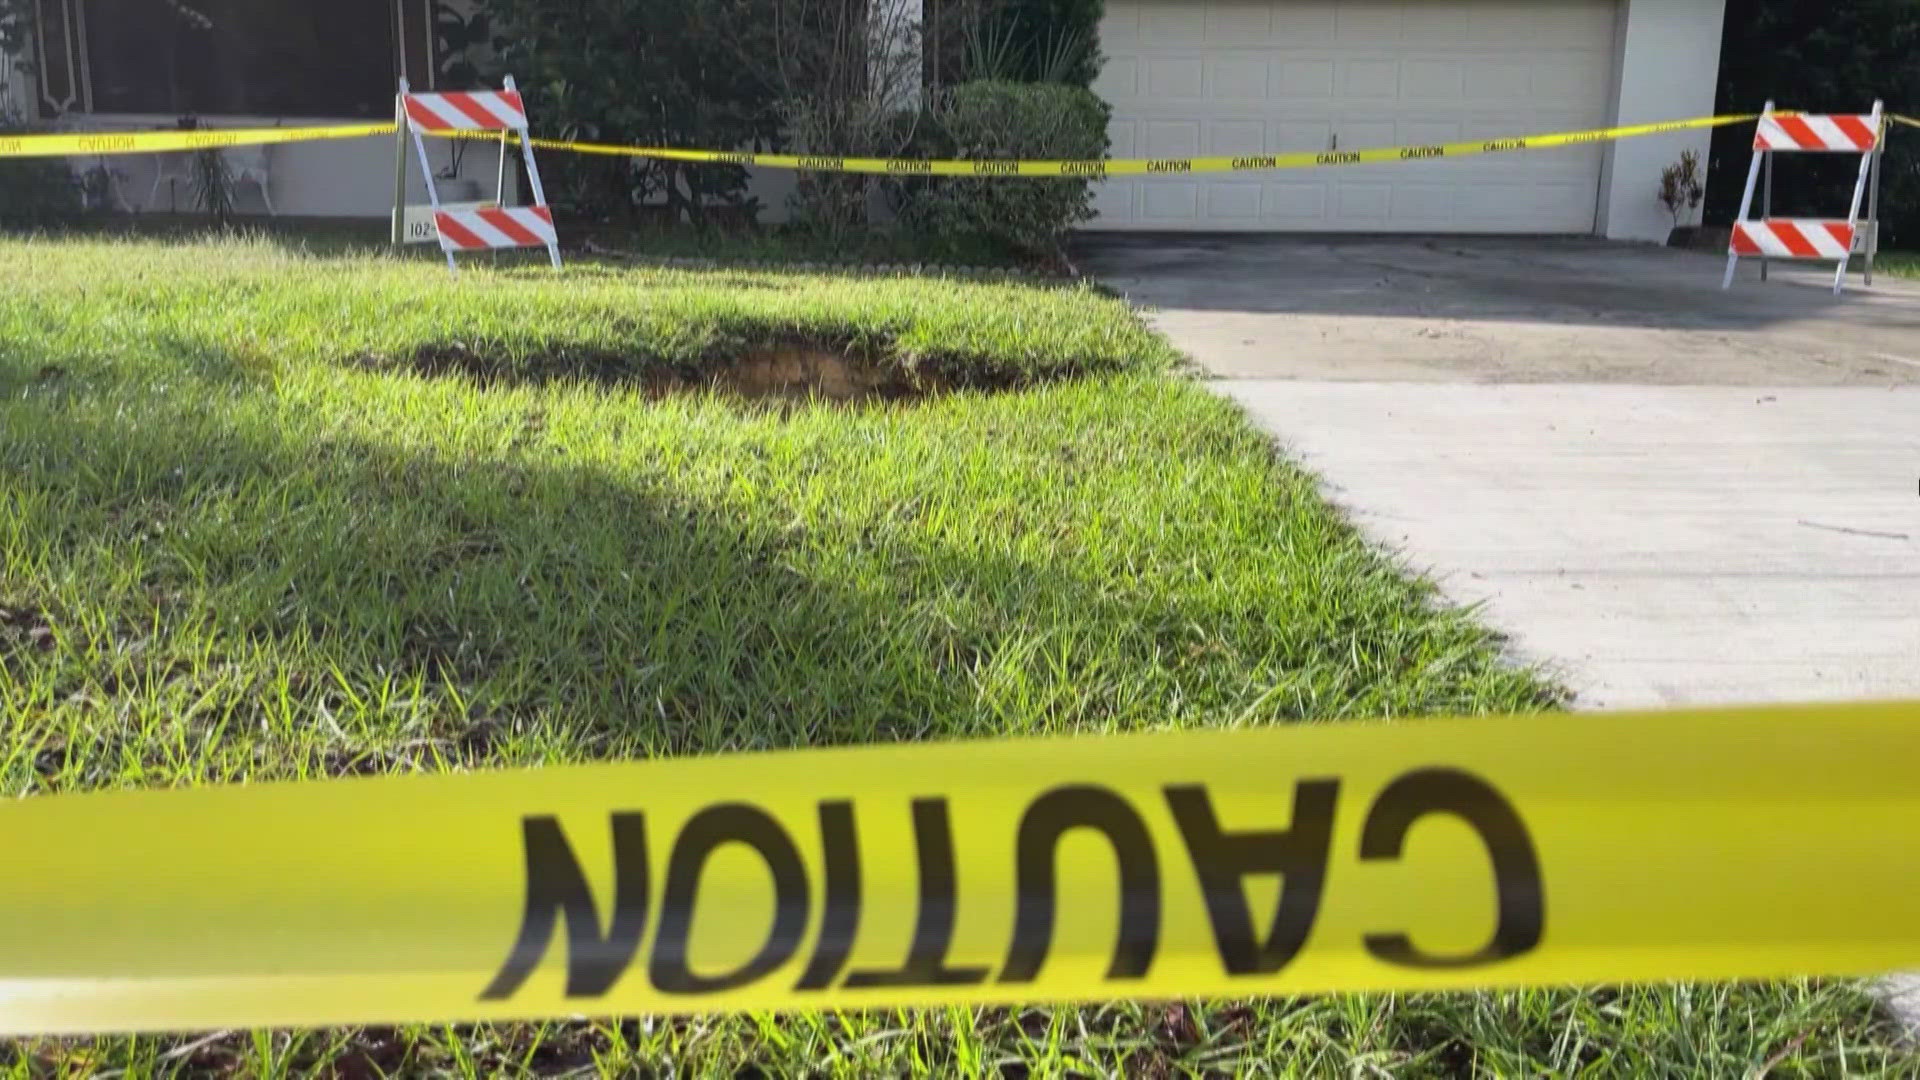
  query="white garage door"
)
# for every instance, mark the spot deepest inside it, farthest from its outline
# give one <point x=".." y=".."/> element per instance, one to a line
<point x="1243" y="77"/>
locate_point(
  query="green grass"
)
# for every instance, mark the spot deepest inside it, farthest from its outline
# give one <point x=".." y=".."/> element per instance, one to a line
<point x="241" y="535"/>
<point x="1902" y="264"/>
<point x="732" y="243"/>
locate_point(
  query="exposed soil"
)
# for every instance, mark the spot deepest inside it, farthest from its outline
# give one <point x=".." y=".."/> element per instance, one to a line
<point x="781" y="372"/>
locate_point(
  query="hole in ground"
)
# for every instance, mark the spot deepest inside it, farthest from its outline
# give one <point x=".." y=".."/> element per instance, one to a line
<point x="788" y="372"/>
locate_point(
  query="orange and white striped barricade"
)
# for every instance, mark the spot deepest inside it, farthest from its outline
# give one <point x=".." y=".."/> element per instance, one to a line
<point x="1768" y="237"/>
<point x="472" y="227"/>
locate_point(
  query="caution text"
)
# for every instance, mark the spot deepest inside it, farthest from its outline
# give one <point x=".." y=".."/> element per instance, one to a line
<point x="819" y="905"/>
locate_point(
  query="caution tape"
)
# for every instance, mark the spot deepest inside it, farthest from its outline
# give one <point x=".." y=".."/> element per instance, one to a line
<point x="143" y="142"/>
<point x="148" y="142"/>
<point x="1101" y="168"/>
<point x="1422" y="855"/>
<point x="68" y="144"/>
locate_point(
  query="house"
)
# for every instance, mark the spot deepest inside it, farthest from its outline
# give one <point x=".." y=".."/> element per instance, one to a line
<point x="128" y="64"/>
<point x="1185" y="78"/>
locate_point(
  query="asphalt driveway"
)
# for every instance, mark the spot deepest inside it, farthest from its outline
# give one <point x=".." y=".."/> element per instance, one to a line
<point x="1665" y="493"/>
<point x="1449" y="309"/>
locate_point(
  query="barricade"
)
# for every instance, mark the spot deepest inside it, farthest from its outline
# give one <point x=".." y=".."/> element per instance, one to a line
<point x="472" y="228"/>
<point x="1768" y="237"/>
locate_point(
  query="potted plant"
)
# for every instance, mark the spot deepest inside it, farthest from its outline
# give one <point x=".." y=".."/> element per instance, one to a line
<point x="1680" y="192"/>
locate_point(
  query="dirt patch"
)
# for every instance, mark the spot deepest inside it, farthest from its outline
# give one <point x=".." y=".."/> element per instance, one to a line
<point x="790" y="372"/>
<point x="799" y="371"/>
<point x="26" y="629"/>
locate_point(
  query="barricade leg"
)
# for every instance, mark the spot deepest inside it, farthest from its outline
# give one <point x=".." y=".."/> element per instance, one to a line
<point x="1746" y="204"/>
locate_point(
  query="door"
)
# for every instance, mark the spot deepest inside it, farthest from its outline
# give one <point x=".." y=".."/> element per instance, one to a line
<point x="1245" y="77"/>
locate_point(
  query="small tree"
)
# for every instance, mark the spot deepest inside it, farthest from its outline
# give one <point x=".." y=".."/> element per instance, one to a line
<point x="847" y="76"/>
<point x="1680" y="187"/>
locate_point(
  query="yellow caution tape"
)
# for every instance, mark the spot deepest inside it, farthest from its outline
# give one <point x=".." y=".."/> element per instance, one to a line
<point x="1101" y="168"/>
<point x="145" y="142"/>
<point x="1518" y="851"/>
<point x="66" y="144"/>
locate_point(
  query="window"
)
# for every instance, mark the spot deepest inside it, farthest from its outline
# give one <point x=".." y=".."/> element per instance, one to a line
<point x="290" y="58"/>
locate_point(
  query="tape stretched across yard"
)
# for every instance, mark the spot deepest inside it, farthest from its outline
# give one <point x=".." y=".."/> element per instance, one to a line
<point x="1426" y="854"/>
<point x="88" y="144"/>
<point x="1100" y="168"/>
<point x="147" y="142"/>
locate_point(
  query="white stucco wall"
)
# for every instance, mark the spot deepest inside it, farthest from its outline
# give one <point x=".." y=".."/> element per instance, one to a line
<point x="1667" y="63"/>
<point x="332" y="178"/>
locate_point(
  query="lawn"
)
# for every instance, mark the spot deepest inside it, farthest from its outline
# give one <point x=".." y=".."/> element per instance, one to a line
<point x="272" y="513"/>
<point x="1902" y="264"/>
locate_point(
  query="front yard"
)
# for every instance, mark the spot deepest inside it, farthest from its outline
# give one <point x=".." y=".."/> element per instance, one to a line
<point x="266" y="512"/>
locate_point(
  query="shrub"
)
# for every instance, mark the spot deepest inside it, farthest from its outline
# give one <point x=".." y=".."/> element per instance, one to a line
<point x="36" y="192"/>
<point x="1018" y="40"/>
<point x="653" y="72"/>
<point x="1680" y="189"/>
<point x="1006" y="120"/>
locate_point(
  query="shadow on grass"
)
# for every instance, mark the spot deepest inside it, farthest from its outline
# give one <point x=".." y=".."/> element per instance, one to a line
<point x="318" y="601"/>
<point x="233" y="587"/>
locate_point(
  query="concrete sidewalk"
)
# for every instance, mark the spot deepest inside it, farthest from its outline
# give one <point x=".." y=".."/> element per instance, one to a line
<point x="1652" y="545"/>
<point x="1663" y="493"/>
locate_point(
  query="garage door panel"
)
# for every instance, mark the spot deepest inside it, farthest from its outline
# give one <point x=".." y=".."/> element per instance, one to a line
<point x="1233" y="202"/>
<point x="1572" y="25"/>
<point x="1366" y="22"/>
<point x="1118" y="81"/>
<point x="1300" y="204"/>
<point x="1359" y="204"/>
<point x="1236" y="138"/>
<point x="1436" y="24"/>
<point x="1302" y="24"/>
<point x="1411" y="205"/>
<point x="1568" y="78"/>
<point x="1171" y="203"/>
<point x="1170" y="138"/>
<point x="1171" y="22"/>
<point x="1488" y="204"/>
<point x="1369" y="78"/>
<point x="1238" y="24"/>
<point x="1176" y="78"/>
<point x="1433" y="80"/>
<point x="1360" y="132"/>
<point x="1301" y="78"/>
<point x="1298" y="136"/>
<point x="1241" y="77"/>
<point x="1116" y="201"/>
<point x="1497" y="79"/>
<point x="1237" y="79"/>
<point x="1426" y="132"/>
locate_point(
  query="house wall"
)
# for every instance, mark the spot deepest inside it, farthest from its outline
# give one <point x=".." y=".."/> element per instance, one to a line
<point x="1667" y="63"/>
<point x="333" y="178"/>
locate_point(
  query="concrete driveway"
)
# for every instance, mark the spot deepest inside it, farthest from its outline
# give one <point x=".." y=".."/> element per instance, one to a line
<point x="1665" y="493"/>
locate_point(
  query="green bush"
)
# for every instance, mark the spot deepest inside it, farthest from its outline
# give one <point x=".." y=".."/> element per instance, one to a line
<point x="651" y="72"/>
<point x="1819" y="56"/>
<point x="1006" y="120"/>
<point x="36" y="192"/>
